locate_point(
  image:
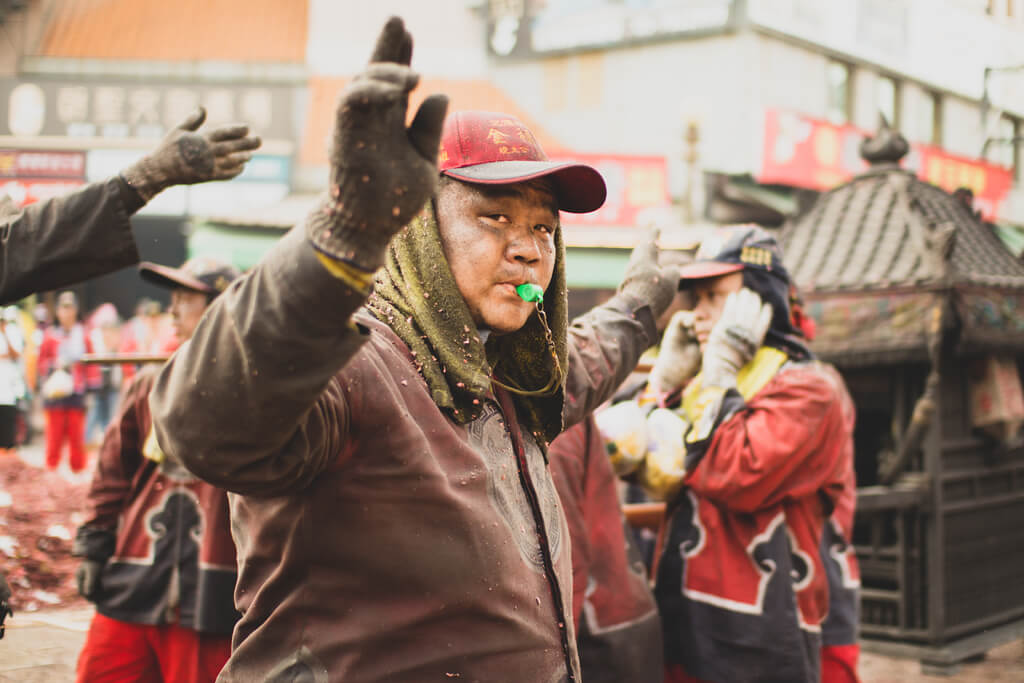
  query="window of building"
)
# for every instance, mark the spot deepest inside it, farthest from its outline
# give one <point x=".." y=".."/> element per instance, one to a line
<point x="929" y="119"/>
<point x="1017" y="151"/>
<point x="887" y="99"/>
<point x="839" y="88"/>
<point x="1004" y="148"/>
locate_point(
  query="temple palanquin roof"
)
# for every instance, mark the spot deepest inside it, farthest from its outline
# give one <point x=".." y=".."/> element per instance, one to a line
<point x="882" y="257"/>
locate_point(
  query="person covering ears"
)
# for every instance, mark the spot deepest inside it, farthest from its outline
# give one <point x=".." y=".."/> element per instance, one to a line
<point x="748" y="438"/>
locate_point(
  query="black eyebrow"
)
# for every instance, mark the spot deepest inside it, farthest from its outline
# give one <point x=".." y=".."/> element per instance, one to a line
<point x="517" y="190"/>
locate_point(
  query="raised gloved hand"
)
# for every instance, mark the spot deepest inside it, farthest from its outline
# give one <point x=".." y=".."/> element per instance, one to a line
<point x="678" y="357"/>
<point x="88" y="579"/>
<point x="382" y="172"/>
<point x="735" y="338"/>
<point x="648" y="281"/>
<point x="185" y="157"/>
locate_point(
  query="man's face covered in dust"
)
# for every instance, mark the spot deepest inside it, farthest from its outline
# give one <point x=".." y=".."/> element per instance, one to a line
<point x="495" y="238"/>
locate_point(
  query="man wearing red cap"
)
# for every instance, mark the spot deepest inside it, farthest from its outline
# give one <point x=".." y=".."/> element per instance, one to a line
<point x="86" y="233"/>
<point x="393" y="512"/>
<point x="159" y="561"/>
<point x="751" y="445"/>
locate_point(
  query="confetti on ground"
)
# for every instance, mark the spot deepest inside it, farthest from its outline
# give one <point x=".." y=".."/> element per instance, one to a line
<point x="36" y="528"/>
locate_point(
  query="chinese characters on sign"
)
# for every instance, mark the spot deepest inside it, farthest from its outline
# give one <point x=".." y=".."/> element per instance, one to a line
<point x="29" y="175"/>
<point x="634" y="183"/>
<point x="139" y="110"/>
<point x="807" y="152"/>
<point x="524" y="28"/>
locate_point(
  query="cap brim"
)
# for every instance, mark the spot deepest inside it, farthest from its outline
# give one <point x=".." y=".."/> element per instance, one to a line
<point x="705" y="269"/>
<point x="580" y="188"/>
<point x="162" y="276"/>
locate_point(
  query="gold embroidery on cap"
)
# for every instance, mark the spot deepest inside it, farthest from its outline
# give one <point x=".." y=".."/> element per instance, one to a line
<point x="756" y="256"/>
<point x="497" y="137"/>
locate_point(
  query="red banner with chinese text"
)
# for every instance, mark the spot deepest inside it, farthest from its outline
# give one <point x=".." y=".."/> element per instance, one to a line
<point x="27" y="176"/>
<point x="25" y="191"/>
<point x="806" y="152"/>
<point x="635" y="183"/>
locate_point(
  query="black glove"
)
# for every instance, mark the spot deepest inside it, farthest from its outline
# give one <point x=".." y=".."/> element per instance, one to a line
<point x="382" y="173"/>
<point x="185" y="157"/>
<point x="645" y="279"/>
<point x="88" y="579"/>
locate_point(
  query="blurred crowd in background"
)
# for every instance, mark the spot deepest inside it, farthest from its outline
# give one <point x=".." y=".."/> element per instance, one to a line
<point x="36" y="342"/>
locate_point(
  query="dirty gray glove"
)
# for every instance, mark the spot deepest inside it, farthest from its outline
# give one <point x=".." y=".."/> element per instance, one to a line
<point x="382" y="173"/>
<point x="735" y="338"/>
<point x="185" y="157"/>
<point x="678" y="357"/>
<point x="654" y="284"/>
<point x="88" y="579"/>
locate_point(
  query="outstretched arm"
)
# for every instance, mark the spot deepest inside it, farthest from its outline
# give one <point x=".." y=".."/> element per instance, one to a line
<point x="253" y="403"/>
<point x="86" y="233"/>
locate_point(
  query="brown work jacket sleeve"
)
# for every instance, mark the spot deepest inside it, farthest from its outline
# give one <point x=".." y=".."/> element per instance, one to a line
<point x="251" y="402"/>
<point x="605" y="344"/>
<point x="58" y="242"/>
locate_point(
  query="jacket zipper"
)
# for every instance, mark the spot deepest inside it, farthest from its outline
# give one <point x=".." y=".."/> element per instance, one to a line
<point x="538" y="520"/>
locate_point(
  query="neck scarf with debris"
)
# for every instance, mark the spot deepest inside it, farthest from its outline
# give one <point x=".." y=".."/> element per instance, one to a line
<point x="416" y="296"/>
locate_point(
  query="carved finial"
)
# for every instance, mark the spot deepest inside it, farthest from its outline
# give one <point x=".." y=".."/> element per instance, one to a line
<point x="888" y="146"/>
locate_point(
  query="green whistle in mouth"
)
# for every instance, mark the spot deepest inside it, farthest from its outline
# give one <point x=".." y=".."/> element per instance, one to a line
<point x="530" y="292"/>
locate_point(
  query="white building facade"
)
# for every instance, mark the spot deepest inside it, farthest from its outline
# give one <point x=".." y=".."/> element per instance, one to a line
<point x="758" y="76"/>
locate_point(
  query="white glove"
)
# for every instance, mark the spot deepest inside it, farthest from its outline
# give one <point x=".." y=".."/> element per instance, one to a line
<point x="735" y="338"/>
<point x="679" y="355"/>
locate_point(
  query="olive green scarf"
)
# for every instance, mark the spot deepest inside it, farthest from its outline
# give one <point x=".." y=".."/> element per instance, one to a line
<point x="416" y="296"/>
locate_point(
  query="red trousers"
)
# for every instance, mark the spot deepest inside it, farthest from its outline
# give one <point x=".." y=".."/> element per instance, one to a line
<point x="838" y="665"/>
<point x="65" y="424"/>
<point x="117" y="651"/>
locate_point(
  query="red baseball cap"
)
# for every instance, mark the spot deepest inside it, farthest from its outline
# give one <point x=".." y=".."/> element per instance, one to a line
<point x="497" y="149"/>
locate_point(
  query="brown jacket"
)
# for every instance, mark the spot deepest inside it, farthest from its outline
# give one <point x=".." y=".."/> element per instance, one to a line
<point x="58" y="242"/>
<point x="378" y="540"/>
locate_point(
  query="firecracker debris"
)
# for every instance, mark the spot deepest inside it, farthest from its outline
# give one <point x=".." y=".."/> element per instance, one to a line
<point x="39" y="513"/>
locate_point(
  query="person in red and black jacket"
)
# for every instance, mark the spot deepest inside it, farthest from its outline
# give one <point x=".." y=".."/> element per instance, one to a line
<point x="159" y="558"/>
<point x="751" y="445"/>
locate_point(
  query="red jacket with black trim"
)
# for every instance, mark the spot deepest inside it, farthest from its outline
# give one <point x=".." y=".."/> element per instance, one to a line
<point x="164" y="535"/>
<point x="741" y="582"/>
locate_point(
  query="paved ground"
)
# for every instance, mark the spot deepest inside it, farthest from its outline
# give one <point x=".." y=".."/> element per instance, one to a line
<point x="42" y="647"/>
